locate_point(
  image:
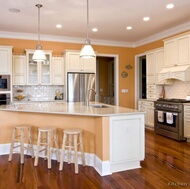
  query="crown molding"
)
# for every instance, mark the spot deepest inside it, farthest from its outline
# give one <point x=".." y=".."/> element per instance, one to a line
<point x="30" y="36"/>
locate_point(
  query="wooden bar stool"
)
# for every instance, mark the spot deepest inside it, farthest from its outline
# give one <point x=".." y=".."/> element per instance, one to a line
<point x="46" y="136"/>
<point x="72" y="138"/>
<point x="19" y="135"/>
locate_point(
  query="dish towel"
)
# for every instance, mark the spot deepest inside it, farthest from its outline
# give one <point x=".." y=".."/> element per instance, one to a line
<point x="169" y="118"/>
<point x="160" y="116"/>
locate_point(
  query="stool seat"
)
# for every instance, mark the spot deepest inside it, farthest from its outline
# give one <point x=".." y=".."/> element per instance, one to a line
<point x="46" y="136"/>
<point x="74" y="140"/>
<point x="19" y="135"/>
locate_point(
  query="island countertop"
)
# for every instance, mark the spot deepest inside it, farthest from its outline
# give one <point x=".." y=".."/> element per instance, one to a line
<point x="70" y="108"/>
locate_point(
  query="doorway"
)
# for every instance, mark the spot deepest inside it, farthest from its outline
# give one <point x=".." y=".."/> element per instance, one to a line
<point x="140" y="78"/>
<point x="107" y="79"/>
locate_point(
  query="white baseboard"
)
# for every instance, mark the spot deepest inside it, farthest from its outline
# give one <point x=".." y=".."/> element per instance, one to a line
<point x="102" y="167"/>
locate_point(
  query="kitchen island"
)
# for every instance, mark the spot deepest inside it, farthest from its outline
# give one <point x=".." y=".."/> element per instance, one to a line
<point x="113" y="136"/>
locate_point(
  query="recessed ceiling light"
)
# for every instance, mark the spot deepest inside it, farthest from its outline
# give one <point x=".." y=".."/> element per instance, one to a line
<point x="146" y="18"/>
<point x="58" y="26"/>
<point x="170" y="6"/>
<point x="94" y="29"/>
<point x="129" y="27"/>
<point x="14" y="10"/>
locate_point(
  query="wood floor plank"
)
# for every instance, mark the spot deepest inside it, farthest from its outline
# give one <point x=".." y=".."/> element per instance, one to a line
<point x="166" y="165"/>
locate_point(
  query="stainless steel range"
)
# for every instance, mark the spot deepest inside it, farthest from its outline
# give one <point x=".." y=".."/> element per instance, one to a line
<point x="169" y="115"/>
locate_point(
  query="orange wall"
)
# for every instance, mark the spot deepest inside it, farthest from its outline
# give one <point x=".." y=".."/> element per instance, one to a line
<point x="126" y="56"/>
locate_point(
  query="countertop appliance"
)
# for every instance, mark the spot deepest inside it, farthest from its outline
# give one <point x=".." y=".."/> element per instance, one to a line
<point x="168" y="115"/>
<point x="5" y="83"/>
<point x="78" y="85"/>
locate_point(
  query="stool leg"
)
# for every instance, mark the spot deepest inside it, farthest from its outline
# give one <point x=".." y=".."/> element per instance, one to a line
<point x="81" y="149"/>
<point x="30" y="145"/>
<point x="46" y="145"/>
<point x="62" y="152"/>
<point x="12" y="144"/>
<point x="37" y="149"/>
<point x="22" y="146"/>
<point x="69" y="150"/>
<point x="76" y="154"/>
<point x="48" y="149"/>
<point x="56" y="145"/>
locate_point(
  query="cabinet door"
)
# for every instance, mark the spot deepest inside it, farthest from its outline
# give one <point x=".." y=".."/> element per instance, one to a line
<point x="170" y="53"/>
<point x="142" y="108"/>
<point x="150" y="116"/>
<point x="89" y="64"/>
<point x="19" y="70"/>
<point x="5" y="60"/>
<point x="150" y="69"/>
<point x="74" y="62"/>
<point x="187" y="128"/>
<point x="58" y="70"/>
<point x="159" y="62"/>
<point x="183" y="50"/>
<point x="38" y="73"/>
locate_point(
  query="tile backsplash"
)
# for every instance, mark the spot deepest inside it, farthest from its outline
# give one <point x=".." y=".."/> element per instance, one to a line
<point x="37" y="92"/>
<point x="179" y="89"/>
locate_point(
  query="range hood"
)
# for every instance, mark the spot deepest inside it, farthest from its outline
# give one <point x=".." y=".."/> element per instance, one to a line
<point x="181" y="73"/>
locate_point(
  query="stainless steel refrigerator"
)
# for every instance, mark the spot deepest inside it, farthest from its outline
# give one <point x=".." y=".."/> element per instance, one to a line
<point x="78" y="85"/>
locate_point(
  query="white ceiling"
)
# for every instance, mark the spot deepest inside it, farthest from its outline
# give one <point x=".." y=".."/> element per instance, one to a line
<point x="111" y="17"/>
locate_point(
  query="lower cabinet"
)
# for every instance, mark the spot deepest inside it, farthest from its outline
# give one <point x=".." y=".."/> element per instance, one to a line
<point x="148" y="107"/>
<point x="187" y="122"/>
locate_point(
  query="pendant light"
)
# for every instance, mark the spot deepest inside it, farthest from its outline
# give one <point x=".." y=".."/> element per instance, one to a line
<point x="87" y="50"/>
<point x="39" y="54"/>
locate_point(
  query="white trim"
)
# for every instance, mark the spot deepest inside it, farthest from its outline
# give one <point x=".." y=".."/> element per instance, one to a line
<point x="166" y="33"/>
<point x="116" y="75"/>
<point x="137" y="78"/>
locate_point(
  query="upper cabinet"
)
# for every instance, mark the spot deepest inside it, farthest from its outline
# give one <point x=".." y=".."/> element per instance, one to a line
<point x="58" y="71"/>
<point x="19" y="70"/>
<point x="177" y="51"/>
<point x="76" y="64"/>
<point x="38" y="73"/>
<point x="6" y="59"/>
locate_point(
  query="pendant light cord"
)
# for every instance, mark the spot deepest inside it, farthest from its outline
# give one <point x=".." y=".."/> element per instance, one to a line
<point x="39" y="6"/>
<point x="87" y="18"/>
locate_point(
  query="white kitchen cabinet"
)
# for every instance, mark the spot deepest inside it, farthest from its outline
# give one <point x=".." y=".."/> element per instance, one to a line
<point x="187" y="122"/>
<point x="177" y="51"/>
<point x="19" y="70"/>
<point x="58" y="71"/>
<point x="148" y="107"/>
<point x="76" y="64"/>
<point x="38" y="73"/>
<point x="5" y="60"/>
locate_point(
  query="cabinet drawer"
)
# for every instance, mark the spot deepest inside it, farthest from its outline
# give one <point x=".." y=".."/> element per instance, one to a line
<point x="146" y="103"/>
<point x="151" y="96"/>
<point x="151" y="87"/>
<point x="187" y="116"/>
<point x="150" y="91"/>
<point x="187" y="109"/>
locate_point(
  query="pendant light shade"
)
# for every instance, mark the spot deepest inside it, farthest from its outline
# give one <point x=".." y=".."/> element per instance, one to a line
<point x="39" y="55"/>
<point x="87" y="50"/>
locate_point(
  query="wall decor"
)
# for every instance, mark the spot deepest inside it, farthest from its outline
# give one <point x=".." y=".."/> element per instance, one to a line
<point x="124" y="74"/>
<point x="128" y="67"/>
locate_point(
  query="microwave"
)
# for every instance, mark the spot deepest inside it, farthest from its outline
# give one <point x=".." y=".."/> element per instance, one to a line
<point x="5" y="98"/>
<point x="5" y="83"/>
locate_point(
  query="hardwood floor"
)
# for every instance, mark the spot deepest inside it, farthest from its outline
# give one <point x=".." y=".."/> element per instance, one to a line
<point x="166" y="165"/>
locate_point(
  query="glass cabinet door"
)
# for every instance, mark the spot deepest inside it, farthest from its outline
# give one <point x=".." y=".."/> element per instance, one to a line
<point x="32" y="71"/>
<point x="45" y="71"/>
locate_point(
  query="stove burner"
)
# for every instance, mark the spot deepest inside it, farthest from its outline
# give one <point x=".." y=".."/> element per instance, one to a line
<point x="174" y="100"/>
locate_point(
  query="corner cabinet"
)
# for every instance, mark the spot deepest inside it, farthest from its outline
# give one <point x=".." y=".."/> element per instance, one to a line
<point x="177" y="50"/>
<point x="19" y="70"/>
<point x="6" y="60"/>
<point x="76" y="64"/>
<point x="58" y="71"/>
<point x="38" y="73"/>
<point x="148" y="107"/>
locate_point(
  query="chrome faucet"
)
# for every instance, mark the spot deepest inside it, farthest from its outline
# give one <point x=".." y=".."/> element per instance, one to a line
<point x="86" y="103"/>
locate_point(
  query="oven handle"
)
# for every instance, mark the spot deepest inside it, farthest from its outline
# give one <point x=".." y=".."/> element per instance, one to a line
<point x="174" y="113"/>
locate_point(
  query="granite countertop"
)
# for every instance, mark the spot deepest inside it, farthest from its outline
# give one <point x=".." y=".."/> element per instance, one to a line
<point x="69" y="108"/>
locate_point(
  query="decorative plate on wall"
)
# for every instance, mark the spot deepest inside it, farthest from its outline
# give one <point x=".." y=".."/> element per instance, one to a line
<point x="124" y="74"/>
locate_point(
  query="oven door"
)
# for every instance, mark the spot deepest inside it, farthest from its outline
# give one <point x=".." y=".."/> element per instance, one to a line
<point x="167" y="120"/>
<point x="4" y="98"/>
<point x="4" y="82"/>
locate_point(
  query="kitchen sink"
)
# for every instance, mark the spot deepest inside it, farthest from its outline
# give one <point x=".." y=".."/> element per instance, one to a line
<point x="99" y="106"/>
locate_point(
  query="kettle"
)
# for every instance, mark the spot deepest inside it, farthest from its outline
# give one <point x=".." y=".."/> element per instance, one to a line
<point x="188" y="97"/>
<point x="58" y="95"/>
